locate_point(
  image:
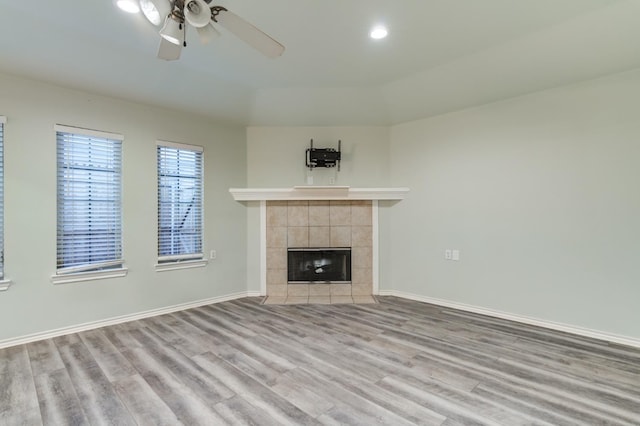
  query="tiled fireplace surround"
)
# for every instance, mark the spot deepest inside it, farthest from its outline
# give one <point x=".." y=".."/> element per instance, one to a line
<point x="317" y="223"/>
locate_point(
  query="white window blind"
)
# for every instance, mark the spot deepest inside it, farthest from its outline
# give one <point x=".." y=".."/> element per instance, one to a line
<point x="89" y="200"/>
<point x="2" y="122"/>
<point x="179" y="202"/>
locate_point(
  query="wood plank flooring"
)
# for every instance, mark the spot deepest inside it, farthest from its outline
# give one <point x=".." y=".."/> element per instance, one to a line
<point x="397" y="362"/>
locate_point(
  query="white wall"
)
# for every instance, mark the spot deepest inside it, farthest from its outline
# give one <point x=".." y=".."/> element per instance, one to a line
<point x="33" y="304"/>
<point x="276" y="156"/>
<point x="276" y="159"/>
<point x="540" y="194"/>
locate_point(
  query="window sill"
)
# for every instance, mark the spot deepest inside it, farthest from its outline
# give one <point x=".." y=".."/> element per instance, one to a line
<point x="88" y="276"/>
<point x="185" y="264"/>
<point x="5" y="284"/>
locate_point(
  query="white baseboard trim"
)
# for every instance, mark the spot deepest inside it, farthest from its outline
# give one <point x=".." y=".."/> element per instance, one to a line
<point x="118" y="320"/>
<point x="585" y="332"/>
<point x="595" y="334"/>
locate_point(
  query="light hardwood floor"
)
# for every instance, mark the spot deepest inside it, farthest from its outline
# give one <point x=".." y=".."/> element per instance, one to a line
<point x="398" y="362"/>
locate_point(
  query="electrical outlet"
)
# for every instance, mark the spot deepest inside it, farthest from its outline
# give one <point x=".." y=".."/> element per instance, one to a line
<point x="447" y="254"/>
<point x="213" y="254"/>
<point x="332" y="180"/>
<point x="455" y="255"/>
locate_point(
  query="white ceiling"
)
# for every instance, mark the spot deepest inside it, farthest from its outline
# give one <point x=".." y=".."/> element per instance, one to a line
<point x="440" y="56"/>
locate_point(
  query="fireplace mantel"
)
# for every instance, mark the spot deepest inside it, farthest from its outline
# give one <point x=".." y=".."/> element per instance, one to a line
<point x="317" y="193"/>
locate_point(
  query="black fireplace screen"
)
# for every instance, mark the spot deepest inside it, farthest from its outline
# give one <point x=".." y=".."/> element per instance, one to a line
<point x="321" y="265"/>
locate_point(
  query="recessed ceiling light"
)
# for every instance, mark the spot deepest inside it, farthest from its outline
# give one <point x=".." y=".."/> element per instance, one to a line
<point x="130" y="6"/>
<point x="378" y="33"/>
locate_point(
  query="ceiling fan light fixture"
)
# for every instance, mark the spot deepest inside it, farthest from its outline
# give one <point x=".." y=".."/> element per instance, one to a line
<point x="168" y="51"/>
<point x="155" y="10"/>
<point x="197" y="13"/>
<point x="172" y="31"/>
<point x="129" y="6"/>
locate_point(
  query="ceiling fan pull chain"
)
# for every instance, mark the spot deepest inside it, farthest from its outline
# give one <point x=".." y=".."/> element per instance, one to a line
<point x="184" y="38"/>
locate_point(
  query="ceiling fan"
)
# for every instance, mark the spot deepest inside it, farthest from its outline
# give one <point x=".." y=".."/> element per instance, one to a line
<point x="175" y="15"/>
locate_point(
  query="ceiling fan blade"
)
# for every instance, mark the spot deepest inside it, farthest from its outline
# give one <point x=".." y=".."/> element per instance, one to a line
<point x="248" y="33"/>
<point x="207" y="33"/>
<point x="168" y="51"/>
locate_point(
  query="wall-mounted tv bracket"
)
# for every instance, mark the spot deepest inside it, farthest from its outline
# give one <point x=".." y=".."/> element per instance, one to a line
<point x="323" y="157"/>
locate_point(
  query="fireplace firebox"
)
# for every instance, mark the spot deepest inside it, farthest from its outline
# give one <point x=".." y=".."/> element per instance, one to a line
<point x="319" y="265"/>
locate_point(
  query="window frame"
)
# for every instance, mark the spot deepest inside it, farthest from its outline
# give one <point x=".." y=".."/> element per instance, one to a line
<point x="4" y="283"/>
<point x="110" y="268"/>
<point x="181" y="260"/>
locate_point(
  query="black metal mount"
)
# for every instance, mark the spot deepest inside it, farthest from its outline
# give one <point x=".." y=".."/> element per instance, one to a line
<point x="323" y="157"/>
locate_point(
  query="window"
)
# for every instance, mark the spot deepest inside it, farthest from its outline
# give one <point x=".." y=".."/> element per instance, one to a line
<point x="89" y="201"/>
<point x="2" y="122"/>
<point x="179" y="202"/>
